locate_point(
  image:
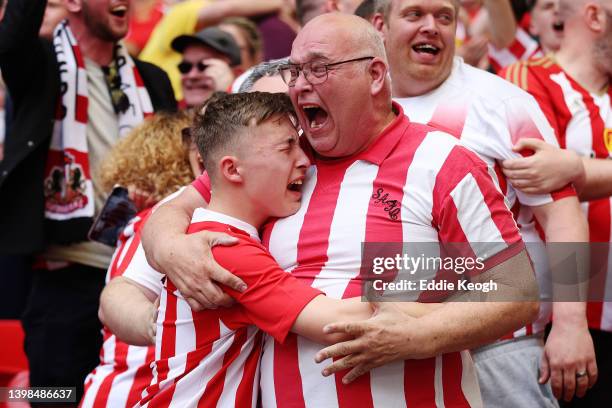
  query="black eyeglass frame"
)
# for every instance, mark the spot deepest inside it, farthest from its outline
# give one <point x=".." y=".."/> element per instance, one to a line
<point x="306" y="69"/>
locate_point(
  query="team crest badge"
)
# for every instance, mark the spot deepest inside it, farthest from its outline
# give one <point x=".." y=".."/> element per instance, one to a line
<point x="608" y="139"/>
<point x="65" y="187"/>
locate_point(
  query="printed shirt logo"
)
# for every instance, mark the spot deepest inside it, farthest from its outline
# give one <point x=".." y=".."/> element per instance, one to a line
<point x="65" y="187"/>
<point x="392" y="207"/>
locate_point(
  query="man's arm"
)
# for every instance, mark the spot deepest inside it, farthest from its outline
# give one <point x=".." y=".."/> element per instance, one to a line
<point x="392" y="335"/>
<point x="569" y="347"/>
<point x="597" y="181"/>
<point x="550" y="168"/>
<point x="187" y="259"/>
<point x="129" y="310"/>
<point x="216" y="12"/>
<point x="499" y="24"/>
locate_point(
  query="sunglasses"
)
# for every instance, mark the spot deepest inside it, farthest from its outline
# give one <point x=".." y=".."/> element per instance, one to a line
<point x="120" y="101"/>
<point x="185" y="66"/>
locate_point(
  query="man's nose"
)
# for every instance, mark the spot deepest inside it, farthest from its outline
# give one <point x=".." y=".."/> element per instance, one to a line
<point x="429" y="25"/>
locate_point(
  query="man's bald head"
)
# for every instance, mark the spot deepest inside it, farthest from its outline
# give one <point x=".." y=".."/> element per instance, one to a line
<point x="349" y="32"/>
<point x="339" y="84"/>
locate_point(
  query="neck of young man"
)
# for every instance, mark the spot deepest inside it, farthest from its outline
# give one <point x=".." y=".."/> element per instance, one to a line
<point x="232" y="204"/>
<point x="92" y="47"/>
<point x="581" y="64"/>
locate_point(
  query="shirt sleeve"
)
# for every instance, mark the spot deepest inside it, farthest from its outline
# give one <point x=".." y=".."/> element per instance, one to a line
<point x="470" y="212"/>
<point x="530" y="114"/>
<point x="274" y="298"/>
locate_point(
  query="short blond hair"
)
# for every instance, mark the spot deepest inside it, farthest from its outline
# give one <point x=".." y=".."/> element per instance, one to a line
<point x="152" y="157"/>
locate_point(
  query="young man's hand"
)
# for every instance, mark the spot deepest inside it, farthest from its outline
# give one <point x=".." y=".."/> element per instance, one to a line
<point x="548" y="169"/>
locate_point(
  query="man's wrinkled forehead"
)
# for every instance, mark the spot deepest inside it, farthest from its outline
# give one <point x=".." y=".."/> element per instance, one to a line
<point x="313" y="43"/>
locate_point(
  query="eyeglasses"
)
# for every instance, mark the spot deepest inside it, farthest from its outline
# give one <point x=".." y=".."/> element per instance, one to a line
<point x="119" y="99"/>
<point x="314" y="72"/>
<point x="185" y="66"/>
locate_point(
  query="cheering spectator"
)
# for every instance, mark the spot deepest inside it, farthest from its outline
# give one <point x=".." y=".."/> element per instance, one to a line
<point x="573" y="89"/>
<point x="64" y="122"/>
<point x="205" y="66"/>
<point x="189" y="17"/>
<point x="360" y="142"/>
<point x="489" y="115"/>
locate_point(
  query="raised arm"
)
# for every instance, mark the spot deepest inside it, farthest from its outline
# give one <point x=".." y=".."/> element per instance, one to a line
<point x="498" y="24"/>
<point x="214" y="13"/>
<point x="187" y="259"/>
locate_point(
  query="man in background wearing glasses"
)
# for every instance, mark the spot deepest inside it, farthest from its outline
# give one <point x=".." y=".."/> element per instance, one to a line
<point x="207" y="58"/>
<point x="73" y="98"/>
<point x="363" y="149"/>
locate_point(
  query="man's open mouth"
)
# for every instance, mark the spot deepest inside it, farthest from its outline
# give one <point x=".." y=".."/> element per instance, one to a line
<point x="316" y="115"/>
<point x="425" y="48"/>
<point x="296" y="185"/>
<point x="558" y="26"/>
<point x="119" y="11"/>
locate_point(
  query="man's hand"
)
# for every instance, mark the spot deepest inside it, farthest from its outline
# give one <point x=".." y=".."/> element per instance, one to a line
<point x="220" y="72"/>
<point x="474" y="50"/>
<point x="549" y="169"/>
<point x="152" y="322"/>
<point x="194" y="269"/>
<point x="391" y="334"/>
<point x="568" y="350"/>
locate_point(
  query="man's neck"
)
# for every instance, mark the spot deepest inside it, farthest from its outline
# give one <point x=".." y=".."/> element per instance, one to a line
<point x="93" y="48"/>
<point x="579" y="63"/>
<point x="231" y="204"/>
<point x="410" y="87"/>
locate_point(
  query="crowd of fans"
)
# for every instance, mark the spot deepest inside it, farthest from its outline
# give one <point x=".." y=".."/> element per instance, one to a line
<point x="483" y="122"/>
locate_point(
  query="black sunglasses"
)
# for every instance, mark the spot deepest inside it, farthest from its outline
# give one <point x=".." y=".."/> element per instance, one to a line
<point x="186" y="66"/>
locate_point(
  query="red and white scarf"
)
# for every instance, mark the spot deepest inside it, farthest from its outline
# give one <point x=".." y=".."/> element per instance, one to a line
<point x="69" y="192"/>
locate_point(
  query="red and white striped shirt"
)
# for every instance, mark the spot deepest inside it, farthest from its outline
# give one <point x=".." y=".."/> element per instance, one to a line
<point x="523" y="47"/>
<point x="490" y="115"/>
<point x="583" y="123"/>
<point x="436" y="191"/>
<point x="123" y="372"/>
<point x="211" y="358"/>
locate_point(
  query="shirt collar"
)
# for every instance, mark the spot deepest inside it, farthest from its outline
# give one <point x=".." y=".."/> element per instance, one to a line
<point x="204" y="214"/>
<point x="386" y="141"/>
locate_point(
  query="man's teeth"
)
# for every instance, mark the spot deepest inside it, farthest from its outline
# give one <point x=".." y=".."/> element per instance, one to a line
<point x="427" y="48"/>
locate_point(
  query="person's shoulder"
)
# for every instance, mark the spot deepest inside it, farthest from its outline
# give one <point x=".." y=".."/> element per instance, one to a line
<point x="489" y="87"/>
<point x="523" y="73"/>
<point x="158" y="85"/>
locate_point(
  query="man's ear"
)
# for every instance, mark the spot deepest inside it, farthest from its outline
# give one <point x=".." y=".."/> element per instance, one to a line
<point x="73" y="6"/>
<point x="331" y="5"/>
<point x="378" y="21"/>
<point x="378" y="71"/>
<point x="595" y="17"/>
<point x="228" y="169"/>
